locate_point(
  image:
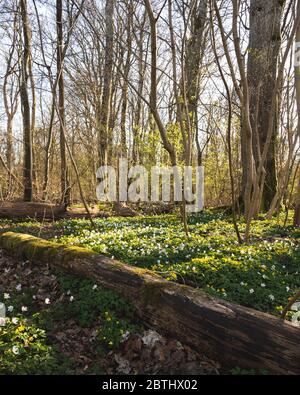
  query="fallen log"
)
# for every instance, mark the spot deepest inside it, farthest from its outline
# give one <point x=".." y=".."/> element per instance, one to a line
<point x="158" y="208"/>
<point x="229" y="333"/>
<point x="122" y="210"/>
<point x="80" y="213"/>
<point x="44" y="211"/>
<point x="17" y="210"/>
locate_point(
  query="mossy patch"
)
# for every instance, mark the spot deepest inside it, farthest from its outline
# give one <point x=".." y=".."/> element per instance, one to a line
<point x="151" y="293"/>
<point x="31" y="247"/>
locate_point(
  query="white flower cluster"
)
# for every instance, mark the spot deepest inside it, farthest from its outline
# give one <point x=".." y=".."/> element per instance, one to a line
<point x="296" y="315"/>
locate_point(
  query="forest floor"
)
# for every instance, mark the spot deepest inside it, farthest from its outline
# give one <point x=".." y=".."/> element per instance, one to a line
<point x="60" y="324"/>
<point x="262" y="275"/>
<point x="96" y="332"/>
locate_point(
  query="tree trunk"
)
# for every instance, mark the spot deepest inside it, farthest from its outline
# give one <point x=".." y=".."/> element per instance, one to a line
<point x="153" y="88"/>
<point x="9" y="143"/>
<point x="297" y="208"/>
<point x="125" y="79"/>
<point x="232" y="334"/>
<point x="10" y="101"/>
<point x="104" y="115"/>
<point x="48" y="148"/>
<point x="27" y="175"/>
<point x="297" y="85"/>
<point x="195" y="50"/>
<point x="65" y="186"/>
<point x="138" y="118"/>
<point x="263" y="53"/>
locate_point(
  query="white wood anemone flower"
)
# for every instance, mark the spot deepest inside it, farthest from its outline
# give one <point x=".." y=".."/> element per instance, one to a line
<point x="296" y="316"/>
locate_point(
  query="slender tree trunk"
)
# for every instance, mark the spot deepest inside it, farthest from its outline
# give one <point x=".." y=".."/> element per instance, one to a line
<point x="10" y="112"/>
<point x="104" y="115"/>
<point x="125" y="82"/>
<point x="137" y="127"/>
<point x="229" y="132"/>
<point x="48" y="151"/>
<point x="9" y="143"/>
<point x="27" y="175"/>
<point x="182" y="125"/>
<point x="33" y="118"/>
<point x="65" y="186"/>
<point x="297" y="207"/>
<point x="153" y="90"/>
<point x="10" y="101"/>
<point x="297" y="84"/>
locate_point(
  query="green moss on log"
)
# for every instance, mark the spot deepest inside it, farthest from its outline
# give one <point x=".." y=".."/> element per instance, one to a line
<point x="40" y="250"/>
<point x="35" y="248"/>
<point x="233" y="334"/>
<point x="151" y="292"/>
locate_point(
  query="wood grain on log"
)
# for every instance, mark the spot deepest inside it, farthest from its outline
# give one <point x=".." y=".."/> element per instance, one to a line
<point x="232" y="334"/>
<point x="44" y="211"/>
<point x="18" y="210"/>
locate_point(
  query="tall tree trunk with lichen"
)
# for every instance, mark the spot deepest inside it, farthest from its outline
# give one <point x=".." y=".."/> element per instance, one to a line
<point x="263" y="54"/>
<point x="195" y="48"/>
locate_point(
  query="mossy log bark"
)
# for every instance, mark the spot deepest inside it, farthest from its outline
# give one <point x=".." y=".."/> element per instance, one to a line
<point x="232" y="334"/>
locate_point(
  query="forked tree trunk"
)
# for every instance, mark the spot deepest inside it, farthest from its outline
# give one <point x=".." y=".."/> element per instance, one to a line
<point x="232" y="334"/>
